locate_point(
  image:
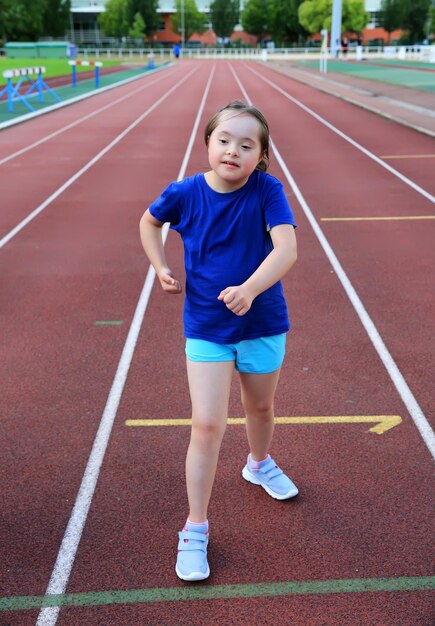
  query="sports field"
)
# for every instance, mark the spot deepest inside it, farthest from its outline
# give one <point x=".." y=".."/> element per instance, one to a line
<point x="414" y="75"/>
<point x="95" y="408"/>
<point x="53" y="67"/>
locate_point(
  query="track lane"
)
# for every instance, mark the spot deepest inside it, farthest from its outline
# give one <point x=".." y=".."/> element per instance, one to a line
<point x="121" y="522"/>
<point x="21" y="136"/>
<point x="14" y="152"/>
<point x="322" y="545"/>
<point x="55" y="165"/>
<point x="48" y="273"/>
<point x="375" y="133"/>
<point x="362" y="246"/>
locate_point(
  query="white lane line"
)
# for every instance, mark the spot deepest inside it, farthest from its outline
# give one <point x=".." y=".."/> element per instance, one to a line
<point x="68" y="549"/>
<point x="334" y="129"/>
<point x="90" y="163"/>
<point x="82" y="119"/>
<point x="395" y="374"/>
<point x="85" y="96"/>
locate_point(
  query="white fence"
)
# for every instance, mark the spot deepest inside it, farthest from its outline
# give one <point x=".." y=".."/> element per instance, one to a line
<point x="414" y="53"/>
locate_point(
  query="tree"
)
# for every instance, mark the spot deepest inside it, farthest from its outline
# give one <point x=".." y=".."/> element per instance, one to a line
<point x="390" y="16"/>
<point x="354" y="16"/>
<point x="317" y="14"/>
<point x="314" y="15"/>
<point x="56" y="17"/>
<point x="148" y="11"/>
<point x="11" y="13"/>
<point x="22" y="20"/>
<point x="256" y="18"/>
<point x="224" y="15"/>
<point x="194" y="21"/>
<point x="284" y="21"/>
<point x="414" y="16"/>
<point x="137" y="29"/>
<point x="114" y="20"/>
<point x="432" y="19"/>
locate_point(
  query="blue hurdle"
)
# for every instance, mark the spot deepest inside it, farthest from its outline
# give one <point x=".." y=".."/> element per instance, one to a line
<point x="96" y="64"/>
<point x="38" y="85"/>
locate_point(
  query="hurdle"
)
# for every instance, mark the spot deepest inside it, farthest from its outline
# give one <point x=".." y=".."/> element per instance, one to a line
<point x="24" y="73"/>
<point x="96" y="64"/>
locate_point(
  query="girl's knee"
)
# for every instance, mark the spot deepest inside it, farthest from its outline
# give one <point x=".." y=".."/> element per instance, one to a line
<point x="208" y="429"/>
<point x="261" y="409"/>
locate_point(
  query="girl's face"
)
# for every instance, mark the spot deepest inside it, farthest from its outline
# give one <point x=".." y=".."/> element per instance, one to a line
<point x="234" y="151"/>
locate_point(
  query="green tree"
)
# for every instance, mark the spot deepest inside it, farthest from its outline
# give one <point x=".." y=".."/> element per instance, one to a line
<point x="317" y="14"/>
<point x="284" y="21"/>
<point x="389" y="17"/>
<point x="137" y="30"/>
<point x="224" y="15"/>
<point x="354" y="16"/>
<point x="432" y="19"/>
<point x="194" y="21"/>
<point x="414" y="17"/>
<point x="11" y="13"/>
<point x="56" y="17"/>
<point x="22" y="20"/>
<point x="148" y="11"/>
<point x="114" y="20"/>
<point x="256" y="18"/>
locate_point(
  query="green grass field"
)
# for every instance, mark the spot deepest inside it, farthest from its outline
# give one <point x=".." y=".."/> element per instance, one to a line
<point x="53" y="67"/>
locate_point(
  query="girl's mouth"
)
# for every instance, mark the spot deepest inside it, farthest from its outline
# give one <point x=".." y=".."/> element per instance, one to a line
<point x="230" y="163"/>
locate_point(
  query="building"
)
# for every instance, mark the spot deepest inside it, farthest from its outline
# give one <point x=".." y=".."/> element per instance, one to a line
<point x="84" y="29"/>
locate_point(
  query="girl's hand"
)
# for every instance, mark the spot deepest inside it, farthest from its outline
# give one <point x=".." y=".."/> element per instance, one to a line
<point x="168" y="282"/>
<point x="237" y="299"/>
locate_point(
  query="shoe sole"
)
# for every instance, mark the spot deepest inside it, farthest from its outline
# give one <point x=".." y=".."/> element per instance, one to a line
<point x="194" y="576"/>
<point x="278" y="496"/>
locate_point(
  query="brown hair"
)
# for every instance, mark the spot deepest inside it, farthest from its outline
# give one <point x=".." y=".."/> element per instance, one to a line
<point x="240" y="108"/>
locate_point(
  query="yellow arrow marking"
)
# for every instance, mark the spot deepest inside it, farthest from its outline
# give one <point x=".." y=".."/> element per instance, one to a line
<point x="408" y="156"/>
<point x="383" y="422"/>
<point x="377" y="219"/>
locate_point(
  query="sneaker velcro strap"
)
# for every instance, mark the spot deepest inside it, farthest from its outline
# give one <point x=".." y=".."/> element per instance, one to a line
<point x="271" y="469"/>
<point x="276" y="471"/>
<point x="195" y="541"/>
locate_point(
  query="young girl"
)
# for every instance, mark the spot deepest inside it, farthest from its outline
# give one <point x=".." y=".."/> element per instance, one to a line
<point x="239" y="241"/>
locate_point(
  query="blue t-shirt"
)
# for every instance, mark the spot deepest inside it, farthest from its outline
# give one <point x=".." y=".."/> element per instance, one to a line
<point x="226" y="237"/>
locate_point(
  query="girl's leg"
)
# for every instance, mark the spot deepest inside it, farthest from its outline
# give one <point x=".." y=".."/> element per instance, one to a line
<point x="258" y="391"/>
<point x="209" y="385"/>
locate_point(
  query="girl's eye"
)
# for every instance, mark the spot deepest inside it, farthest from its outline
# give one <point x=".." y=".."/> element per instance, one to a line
<point x="246" y="147"/>
<point x="222" y="141"/>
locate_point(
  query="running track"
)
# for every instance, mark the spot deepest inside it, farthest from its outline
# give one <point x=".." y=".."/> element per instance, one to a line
<point x="78" y="365"/>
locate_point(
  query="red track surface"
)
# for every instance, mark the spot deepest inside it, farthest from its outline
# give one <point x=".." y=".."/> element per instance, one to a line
<point x="364" y="508"/>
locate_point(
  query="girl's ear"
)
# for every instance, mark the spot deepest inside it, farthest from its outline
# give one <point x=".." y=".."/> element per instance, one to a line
<point x="262" y="157"/>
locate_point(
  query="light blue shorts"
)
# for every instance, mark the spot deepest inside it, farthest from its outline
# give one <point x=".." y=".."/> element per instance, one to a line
<point x="252" y="356"/>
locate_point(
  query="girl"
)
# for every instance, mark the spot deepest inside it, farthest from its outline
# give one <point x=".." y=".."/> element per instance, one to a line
<point x="239" y="241"/>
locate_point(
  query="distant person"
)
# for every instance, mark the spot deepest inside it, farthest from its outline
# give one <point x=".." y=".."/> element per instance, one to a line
<point x="239" y="241"/>
<point x="344" y="47"/>
<point x="359" y="49"/>
<point x="176" y="51"/>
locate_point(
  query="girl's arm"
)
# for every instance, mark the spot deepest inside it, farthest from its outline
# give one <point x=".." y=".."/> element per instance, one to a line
<point x="239" y="298"/>
<point x="151" y="237"/>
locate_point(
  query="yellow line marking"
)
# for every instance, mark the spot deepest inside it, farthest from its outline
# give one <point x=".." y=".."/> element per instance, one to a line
<point x="382" y="422"/>
<point x="377" y="219"/>
<point x="408" y="156"/>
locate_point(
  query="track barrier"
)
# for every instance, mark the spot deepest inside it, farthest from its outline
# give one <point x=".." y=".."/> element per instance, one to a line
<point x="95" y="64"/>
<point x="24" y="74"/>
